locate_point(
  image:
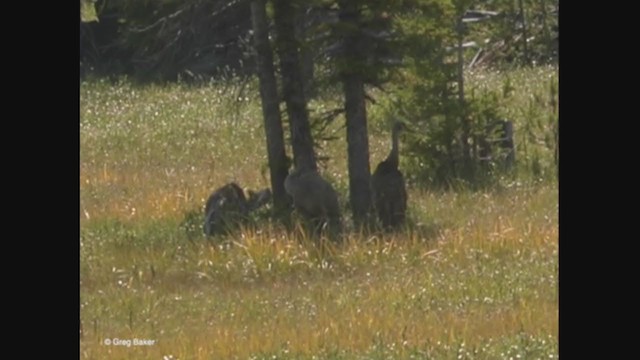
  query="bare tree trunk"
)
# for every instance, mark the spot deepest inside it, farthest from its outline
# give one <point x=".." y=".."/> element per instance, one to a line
<point x="270" y="106"/>
<point x="358" y="149"/>
<point x="524" y="32"/>
<point x="306" y="53"/>
<point x="292" y="85"/>
<point x="466" y="127"/>
<point x="556" y="153"/>
<point x="508" y="143"/>
<point x="356" y="114"/>
<point x="544" y="16"/>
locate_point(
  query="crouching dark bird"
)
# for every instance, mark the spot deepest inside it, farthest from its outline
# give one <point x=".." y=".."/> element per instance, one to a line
<point x="315" y="199"/>
<point x="228" y="206"/>
<point x="388" y="186"/>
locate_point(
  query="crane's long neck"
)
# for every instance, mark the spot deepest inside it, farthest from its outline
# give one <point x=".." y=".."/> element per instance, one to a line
<point x="393" y="157"/>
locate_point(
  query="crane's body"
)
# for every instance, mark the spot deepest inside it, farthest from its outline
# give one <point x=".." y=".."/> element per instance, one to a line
<point x="388" y="185"/>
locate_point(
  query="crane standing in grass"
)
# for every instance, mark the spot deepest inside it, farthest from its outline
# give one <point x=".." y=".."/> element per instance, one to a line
<point x="388" y="186"/>
<point x="315" y="199"/>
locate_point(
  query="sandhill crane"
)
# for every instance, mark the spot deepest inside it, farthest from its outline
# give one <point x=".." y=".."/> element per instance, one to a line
<point x="315" y="199"/>
<point x="388" y="187"/>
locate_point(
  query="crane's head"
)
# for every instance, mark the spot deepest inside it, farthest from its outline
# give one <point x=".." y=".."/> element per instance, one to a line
<point x="400" y="126"/>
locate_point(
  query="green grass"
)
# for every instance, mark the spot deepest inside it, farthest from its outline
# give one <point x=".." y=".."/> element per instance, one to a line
<point x="475" y="275"/>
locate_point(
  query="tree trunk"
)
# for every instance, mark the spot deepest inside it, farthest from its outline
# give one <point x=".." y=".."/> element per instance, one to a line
<point x="270" y="106"/>
<point x="508" y="143"/>
<point x="356" y="114"/>
<point x="556" y="152"/>
<point x="306" y="54"/>
<point x="358" y="149"/>
<point x="292" y="85"/>
<point x="466" y="127"/>
<point x="524" y="33"/>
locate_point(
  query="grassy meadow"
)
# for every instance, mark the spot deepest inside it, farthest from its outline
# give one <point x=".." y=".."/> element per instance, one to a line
<point x="475" y="275"/>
